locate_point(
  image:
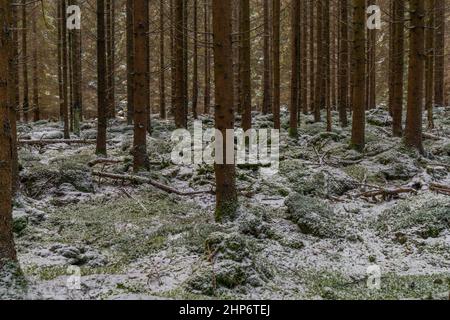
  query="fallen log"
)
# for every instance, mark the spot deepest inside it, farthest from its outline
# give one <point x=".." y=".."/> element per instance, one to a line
<point x="439" y="188"/>
<point x="142" y="180"/>
<point x="45" y="142"/>
<point x="386" y="193"/>
<point x="95" y="162"/>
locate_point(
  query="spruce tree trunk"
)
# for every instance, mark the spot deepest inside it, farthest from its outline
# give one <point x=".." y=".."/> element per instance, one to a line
<point x="246" y="98"/>
<point x="36" y="113"/>
<point x="327" y="62"/>
<point x="413" y="131"/>
<point x="141" y="84"/>
<point x="179" y="106"/>
<point x="319" y="79"/>
<point x="102" y="102"/>
<point x="359" y="74"/>
<point x="440" y="53"/>
<point x="7" y="251"/>
<point x="195" y="64"/>
<point x="343" y="64"/>
<point x="162" y="73"/>
<point x="226" y="194"/>
<point x="65" y="75"/>
<point x="267" y="99"/>
<point x="207" y="62"/>
<point x="429" y="64"/>
<point x="304" y="58"/>
<point x="26" y="99"/>
<point x="312" y="75"/>
<point x="130" y="62"/>
<point x="77" y="77"/>
<point x="295" y="67"/>
<point x="276" y="63"/>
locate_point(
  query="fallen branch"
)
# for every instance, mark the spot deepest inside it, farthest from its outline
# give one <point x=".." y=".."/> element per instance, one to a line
<point x="386" y="193"/>
<point x="142" y="180"/>
<point x="439" y="188"/>
<point x="58" y="141"/>
<point x="430" y="136"/>
<point x="95" y="162"/>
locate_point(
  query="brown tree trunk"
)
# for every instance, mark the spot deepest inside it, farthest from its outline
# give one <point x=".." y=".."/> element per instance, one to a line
<point x="327" y="62"/>
<point x="26" y="99"/>
<point x="267" y="99"/>
<point x="185" y="61"/>
<point x="246" y="98"/>
<point x="13" y="94"/>
<point x="65" y="76"/>
<point x="195" y="65"/>
<point x="359" y="74"/>
<point x="413" y="130"/>
<point x="320" y="70"/>
<point x="76" y="77"/>
<point x="312" y="75"/>
<point x="162" y="72"/>
<point x="36" y="113"/>
<point x="141" y="83"/>
<point x="304" y="58"/>
<point x="429" y="65"/>
<point x="207" y="63"/>
<point x="226" y="194"/>
<point x="179" y="107"/>
<point x="276" y="63"/>
<point x="110" y="57"/>
<point x="295" y="67"/>
<point x="59" y="56"/>
<point x="397" y="66"/>
<point x="440" y="53"/>
<point x="102" y="102"/>
<point x="343" y="63"/>
<point x="130" y="62"/>
<point x="7" y="251"/>
<point x="371" y="67"/>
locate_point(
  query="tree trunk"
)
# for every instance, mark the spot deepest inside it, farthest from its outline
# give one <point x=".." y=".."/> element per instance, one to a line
<point x="312" y="75"/>
<point x="397" y="67"/>
<point x="319" y="80"/>
<point x="13" y="94"/>
<point x="267" y="99"/>
<point x="207" y="66"/>
<point x="276" y="63"/>
<point x="102" y="103"/>
<point x="7" y="251"/>
<point x="371" y="67"/>
<point x="226" y="194"/>
<point x="413" y="131"/>
<point x="246" y="93"/>
<point x="65" y="76"/>
<point x="130" y="63"/>
<point x="327" y="63"/>
<point x="343" y="63"/>
<point x="440" y="54"/>
<point x="304" y="59"/>
<point x="36" y="113"/>
<point x="110" y="57"/>
<point x="141" y="83"/>
<point x="359" y="74"/>
<point x="295" y="67"/>
<point x="429" y="64"/>
<point x="180" y="114"/>
<point x="26" y="99"/>
<point x="195" y="65"/>
<point x="162" y="71"/>
<point x="77" y="78"/>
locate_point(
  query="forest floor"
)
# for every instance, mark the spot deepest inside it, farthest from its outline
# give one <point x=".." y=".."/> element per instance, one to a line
<point x="311" y="231"/>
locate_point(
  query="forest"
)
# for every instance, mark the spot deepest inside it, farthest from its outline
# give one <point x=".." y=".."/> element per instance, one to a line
<point x="225" y="149"/>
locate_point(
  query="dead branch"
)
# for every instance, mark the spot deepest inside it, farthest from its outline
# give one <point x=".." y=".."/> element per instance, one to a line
<point x="142" y="180"/>
<point x="95" y="162"/>
<point x="43" y="142"/>
<point x="386" y="193"/>
<point x="439" y="188"/>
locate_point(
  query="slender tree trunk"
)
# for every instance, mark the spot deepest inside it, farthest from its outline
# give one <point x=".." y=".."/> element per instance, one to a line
<point x="162" y="72"/>
<point x="59" y="56"/>
<point x="110" y="57"/>
<point x="141" y="83"/>
<point x="26" y="99"/>
<point x="413" y="131"/>
<point x="440" y="54"/>
<point x="246" y="98"/>
<point x="130" y="62"/>
<point x="36" y="113"/>
<point x="7" y="251"/>
<point x="359" y="74"/>
<point x="319" y="80"/>
<point x="267" y="99"/>
<point x="429" y="66"/>
<point x="65" y="76"/>
<point x="102" y="103"/>
<point x="195" y="64"/>
<point x="207" y="66"/>
<point x="327" y="63"/>
<point x="397" y="67"/>
<point x="13" y="93"/>
<point x="276" y="63"/>
<point x="236" y="57"/>
<point x="343" y="64"/>
<point x="185" y="61"/>
<point x="304" y="58"/>
<point x="371" y="67"/>
<point x="312" y="76"/>
<point x="295" y="67"/>
<point x="179" y="66"/>
<point x="226" y="194"/>
<point x="172" y="58"/>
<point x="77" y="78"/>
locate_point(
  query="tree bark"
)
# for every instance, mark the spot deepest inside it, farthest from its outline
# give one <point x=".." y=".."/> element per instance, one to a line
<point x="343" y="63"/>
<point x="319" y="80"/>
<point x="195" y="64"/>
<point x="267" y="99"/>
<point x="295" y="67"/>
<point x="246" y="93"/>
<point x="276" y="63"/>
<point x="440" y="54"/>
<point x="141" y="83"/>
<point x="102" y="103"/>
<point x="36" y="113"/>
<point x="179" y="107"/>
<point x="65" y="76"/>
<point x="429" y="64"/>
<point x="413" y="131"/>
<point x="359" y="74"/>
<point x="26" y="99"/>
<point x="226" y="194"/>
<point x="162" y="72"/>
<point x="207" y="62"/>
<point x="130" y="62"/>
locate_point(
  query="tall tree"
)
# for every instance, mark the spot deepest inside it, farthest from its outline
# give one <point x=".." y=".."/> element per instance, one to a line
<point x="226" y="194"/>
<point x="7" y="251"/>
<point x="65" y="76"/>
<point x="102" y="104"/>
<point x="295" y="67"/>
<point x="76" y="76"/>
<point x="267" y="98"/>
<point x="162" y="72"/>
<point x="327" y="62"/>
<point x="439" y="53"/>
<point x="25" y="86"/>
<point x="207" y="62"/>
<point x="359" y="74"/>
<point x="179" y="106"/>
<point x="59" y="57"/>
<point x="141" y="83"/>
<point x="246" y="90"/>
<point x="110" y="57"/>
<point x="397" y="62"/>
<point x="413" y="130"/>
<point x="130" y="62"/>
<point x="343" y="63"/>
<point x="429" y="64"/>
<point x="195" y="64"/>
<point x="371" y="66"/>
<point x="36" y="113"/>
<point x="276" y="62"/>
<point x="319" y="79"/>
<point x="304" y="58"/>
<point x="312" y="76"/>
